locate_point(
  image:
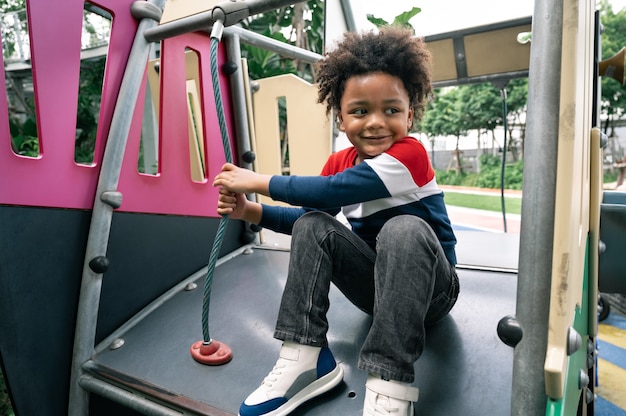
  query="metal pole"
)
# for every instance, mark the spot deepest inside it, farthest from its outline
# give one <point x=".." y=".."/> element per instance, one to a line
<point x="240" y="111"/>
<point x="504" y="151"/>
<point x="106" y="200"/>
<point x="501" y="85"/>
<point x="284" y="49"/>
<point x="126" y="398"/>
<point x="346" y="7"/>
<point x="537" y="227"/>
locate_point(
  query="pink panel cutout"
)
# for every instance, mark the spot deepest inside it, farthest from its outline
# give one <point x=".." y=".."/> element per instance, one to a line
<point x="54" y="179"/>
<point x="172" y="191"/>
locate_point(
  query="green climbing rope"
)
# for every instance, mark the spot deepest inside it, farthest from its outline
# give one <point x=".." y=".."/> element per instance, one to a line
<point x="217" y="243"/>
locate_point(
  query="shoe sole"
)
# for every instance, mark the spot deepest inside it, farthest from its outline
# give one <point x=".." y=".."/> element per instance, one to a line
<point x="318" y="387"/>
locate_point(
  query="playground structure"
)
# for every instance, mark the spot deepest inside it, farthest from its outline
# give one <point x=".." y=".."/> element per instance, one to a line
<point x="99" y="262"/>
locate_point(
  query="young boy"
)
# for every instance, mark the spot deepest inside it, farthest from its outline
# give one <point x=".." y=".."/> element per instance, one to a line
<point x="396" y="262"/>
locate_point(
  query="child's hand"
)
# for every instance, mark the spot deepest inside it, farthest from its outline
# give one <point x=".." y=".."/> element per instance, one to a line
<point x="239" y="180"/>
<point x="231" y="203"/>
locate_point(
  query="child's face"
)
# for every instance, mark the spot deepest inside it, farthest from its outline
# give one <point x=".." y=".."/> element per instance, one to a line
<point x="375" y="113"/>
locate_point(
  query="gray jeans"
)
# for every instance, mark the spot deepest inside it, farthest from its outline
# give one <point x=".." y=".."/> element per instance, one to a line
<point x="406" y="284"/>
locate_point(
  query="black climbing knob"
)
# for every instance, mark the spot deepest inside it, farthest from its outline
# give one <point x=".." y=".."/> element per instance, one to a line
<point x="248" y="157"/>
<point x="229" y="67"/>
<point x="510" y="331"/>
<point x="99" y="264"/>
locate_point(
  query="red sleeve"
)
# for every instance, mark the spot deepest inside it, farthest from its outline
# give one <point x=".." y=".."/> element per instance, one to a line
<point x="412" y="154"/>
<point x="339" y="161"/>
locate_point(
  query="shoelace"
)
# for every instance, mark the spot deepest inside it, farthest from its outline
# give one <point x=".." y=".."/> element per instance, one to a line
<point x="274" y="374"/>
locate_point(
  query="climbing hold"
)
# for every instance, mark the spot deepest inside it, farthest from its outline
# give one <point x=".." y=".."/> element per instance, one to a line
<point x="112" y="198"/>
<point x="99" y="264"/>
<point x="211" y="353"/>
<point x="248" y="156"/>
<point x="229" y="67"/>
<point x="510" y="331"/>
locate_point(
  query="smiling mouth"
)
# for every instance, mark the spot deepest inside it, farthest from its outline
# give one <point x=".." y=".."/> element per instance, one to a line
<point x="375" y="137"/>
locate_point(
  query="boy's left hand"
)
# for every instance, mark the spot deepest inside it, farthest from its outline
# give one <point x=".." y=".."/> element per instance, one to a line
<point x="240" y="180"/>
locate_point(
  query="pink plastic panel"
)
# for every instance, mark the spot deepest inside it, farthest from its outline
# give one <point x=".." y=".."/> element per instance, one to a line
<point x="172" y="191"/>
<point x="54" y="179"/>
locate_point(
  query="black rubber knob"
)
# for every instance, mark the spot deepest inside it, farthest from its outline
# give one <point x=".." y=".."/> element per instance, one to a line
<point x="99" y="264"/>
<point x="248" y="157"/>
<point x="229" y="67"/>
<point x="510" y="331"/>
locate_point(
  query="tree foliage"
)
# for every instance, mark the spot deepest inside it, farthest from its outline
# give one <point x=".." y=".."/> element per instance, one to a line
<point x="22" y="117"/>
<point x="489" y="176"/>
<point x="401" y="20"/>
<point x="16" y="10"/>
<point x="300" y="25"/>
<point x="613" y="100"/>
<point x="447" y="115"/>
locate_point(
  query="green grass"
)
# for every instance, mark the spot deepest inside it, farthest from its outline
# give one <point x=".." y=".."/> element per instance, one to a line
<point x="485" y="202"/>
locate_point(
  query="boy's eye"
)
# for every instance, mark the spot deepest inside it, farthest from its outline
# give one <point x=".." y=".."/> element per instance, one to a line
<point x="392" y="111"/>
<point x="359" y="111"/>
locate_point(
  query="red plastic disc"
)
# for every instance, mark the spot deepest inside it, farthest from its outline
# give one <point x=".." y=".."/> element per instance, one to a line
<point x="211" y="353"/>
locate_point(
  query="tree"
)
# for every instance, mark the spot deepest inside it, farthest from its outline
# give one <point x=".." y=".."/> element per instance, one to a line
<point x="482" y="107"/>
<point x="446" y="115"/>
<point x="613" y="99"/>
<point x="486" y="106"/>
<point x="9" y="40"/>
<point x="517" y="103"/>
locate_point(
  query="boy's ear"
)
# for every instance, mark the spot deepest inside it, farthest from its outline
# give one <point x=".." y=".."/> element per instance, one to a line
<point x="409" y="123"/>
<point x="340" y="123"/>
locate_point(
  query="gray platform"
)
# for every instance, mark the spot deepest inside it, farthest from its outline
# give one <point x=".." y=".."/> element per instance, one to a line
<point x="465" y="369"/>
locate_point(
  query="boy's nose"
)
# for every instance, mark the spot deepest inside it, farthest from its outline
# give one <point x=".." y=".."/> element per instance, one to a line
<point x="375" y="120"/>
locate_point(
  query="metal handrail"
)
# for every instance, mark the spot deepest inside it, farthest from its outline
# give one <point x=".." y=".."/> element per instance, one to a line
<point x="106" y="200"/>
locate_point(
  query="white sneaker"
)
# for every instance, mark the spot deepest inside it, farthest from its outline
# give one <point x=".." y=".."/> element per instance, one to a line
<point x="391" y="397"/>
<point x="301" y="373"/>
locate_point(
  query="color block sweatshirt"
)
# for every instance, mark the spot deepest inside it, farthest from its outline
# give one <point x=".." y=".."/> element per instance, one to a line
<point x="399" y="181"/>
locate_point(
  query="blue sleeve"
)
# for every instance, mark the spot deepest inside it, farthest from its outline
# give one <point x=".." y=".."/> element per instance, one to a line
<point x="351" y="186"/>
<point x="281" y="219"/>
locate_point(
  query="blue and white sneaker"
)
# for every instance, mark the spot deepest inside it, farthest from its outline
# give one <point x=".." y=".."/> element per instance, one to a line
<point x="388" y="397"/>
<point x="301" y="373"/>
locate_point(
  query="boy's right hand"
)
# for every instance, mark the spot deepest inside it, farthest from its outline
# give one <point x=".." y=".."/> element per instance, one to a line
<point x="231" y="203"/>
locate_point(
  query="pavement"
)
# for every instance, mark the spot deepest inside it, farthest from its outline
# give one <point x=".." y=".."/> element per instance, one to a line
<point x="481" y="220"/>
